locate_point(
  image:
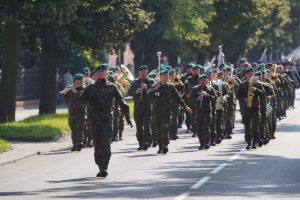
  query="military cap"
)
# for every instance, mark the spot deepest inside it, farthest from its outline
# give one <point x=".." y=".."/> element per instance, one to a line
<point x="78" y="76"/>
<point x="214" y="71"/>
<point x="103" y="66"/>
<point x="161" y="67"/>
<point x="220" y="73"/>
<point x="222" y="65"/>
<point x="172" y="71"/>
<point x="85" y="69"/>
<point x="227" y="69"/>
<point x="163" y="71"/>
<point x="168" y="67"/>
<point x="143" y="67"/>
<point x="151" y="75"/>
<point x="93" y="72"/>
<point x="263" y="72"/>
<point x="208" y="72"/>
<point x="190" y="65"/>
<point x="258" y="73"/>
<point x="117" y="68"/>
<point x="269" y="65"/>
<point x="254" y="65"/>
<point x="201" y="68"/>
<point x="203" y="76"/>
<point x="249" y="69"/>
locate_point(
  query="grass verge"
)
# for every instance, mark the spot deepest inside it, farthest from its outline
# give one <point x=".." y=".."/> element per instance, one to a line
<point x="4" y="146"/>
<point x="36" y="128"/>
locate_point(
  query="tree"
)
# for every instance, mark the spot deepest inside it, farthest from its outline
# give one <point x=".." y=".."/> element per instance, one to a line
<point x="179" y="26"/>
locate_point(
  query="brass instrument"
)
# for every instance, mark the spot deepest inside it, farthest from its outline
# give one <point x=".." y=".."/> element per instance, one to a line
<point x="231" y="82"/>
<point x="250" y="93"/>
<point x="273" y="76"/>
<point x="125" y="78"/>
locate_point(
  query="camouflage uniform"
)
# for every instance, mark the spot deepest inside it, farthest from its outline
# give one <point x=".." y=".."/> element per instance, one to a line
<point x="251" y="116"/>
<point x="202" y="110"/>
<point x="162" y="111"/>
<point x="175" y="111"/>
<point x="118" y="117"/>
<point x="76" y="116"/>
<point x="185" y="98"/>
<point x="190" y="83"/>
<point x="100" y="97"/>
<point x="142" y="111"/>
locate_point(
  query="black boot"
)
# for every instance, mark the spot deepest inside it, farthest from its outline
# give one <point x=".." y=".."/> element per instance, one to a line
<point x="146" y="146"/>
<point x="248" y="145"/>
<point x="102" y="173"/>
<point x="154" y="144"/>
<point x="165" y="150"/>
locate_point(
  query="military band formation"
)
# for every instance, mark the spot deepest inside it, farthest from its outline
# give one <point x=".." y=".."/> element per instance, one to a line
<point x="204" y="98"/>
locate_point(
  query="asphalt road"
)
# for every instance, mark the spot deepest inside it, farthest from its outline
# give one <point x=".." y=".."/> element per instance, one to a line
<point x="226" y="171"/>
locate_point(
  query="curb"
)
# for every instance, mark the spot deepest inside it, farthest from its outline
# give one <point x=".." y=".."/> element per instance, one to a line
<point x="18" y="159"/>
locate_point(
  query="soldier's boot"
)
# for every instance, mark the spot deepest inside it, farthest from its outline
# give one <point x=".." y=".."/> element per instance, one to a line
<point x="154" y="144"/>
<point x="206" y="146"/>
<point x="248" y="145"/>
<point x="165" y="150"/>
<point x="89" y="143"/>
<point x="115" y="137"/>
<point x="73" y="148"/>
<point x="201" y="147"/>
<point x="102" y="173"/>
<point x="120" y="135"/>
<point x="146" y="146"/>
<point x="254" y="144"/>
<point x="160" y="150"/>
<point x="79" y="147"/>
<point x="140" y="148"/>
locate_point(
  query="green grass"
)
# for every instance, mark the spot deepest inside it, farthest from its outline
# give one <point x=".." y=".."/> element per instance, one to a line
<point x="130" y="103"/>
<point x="4" y="146"/>
<point x="36" y="128"/>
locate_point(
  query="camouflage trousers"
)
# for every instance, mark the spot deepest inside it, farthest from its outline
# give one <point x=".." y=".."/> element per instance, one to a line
<point x="87" y="132"/>
<point x="203" y="119"/>
<point x="174" y="122"/>
<point x="229" y="121"/>
<point x="142" y="118"/>
<point x="213" y="127"/>
<point x="76" y="125"/>
<point x="251" y="119"/>
<point x="162" y="126"/>
<point x="118" y="123"/>
<point x="102" y="133"/>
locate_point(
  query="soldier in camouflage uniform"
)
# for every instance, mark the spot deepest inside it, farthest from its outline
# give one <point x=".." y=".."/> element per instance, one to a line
<point x="189" y="73"/>
<point x="162" y="94"/>
<point x="201" y="97"/>
<point x="246" y="91"/>
<point x="142" y="107"/>
<point x="76" y="111"/>
<point x="176" y="107"/>
<point x="268" y="96"/>
<point x="100" y="97"/>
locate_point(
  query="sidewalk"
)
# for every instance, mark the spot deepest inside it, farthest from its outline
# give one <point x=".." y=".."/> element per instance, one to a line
<point x="23" y="150"/>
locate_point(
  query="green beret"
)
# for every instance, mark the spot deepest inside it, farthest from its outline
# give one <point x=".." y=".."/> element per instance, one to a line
<point x="269" y="65"/>
<point x="258" y="73"/>
<point x="103" y="66"/>
<point x="262" y="65"/>
<point x="201" y="68"/>
<point x="208" y="72"/>
<point x="222" y="65"/>
<point x="172" y="71"/>
<point x="168" y="68"/>
<point x="78" y="76"/>
<point x="151" y="75"/>
<point x="254" y="65"/>
<point x="220" y="73"/>
<point x="190" y="65"/>
<point x="93" y="72"/>
<point x="214" y="71"/>
<point x="143" y="67"/>
<point x="249" y="69"/>
<point x="203" y="76"/>
<point x="85" y="69"/>
<point x="117" y="68"/>
<point x="196" y="67"/>
<point x="163" y="71"/>
<point x="227" y="69"/>
<point x="161" y="67"/>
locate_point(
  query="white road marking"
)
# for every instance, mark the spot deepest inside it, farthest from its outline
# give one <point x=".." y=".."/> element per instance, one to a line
<point x="200" y="183"/>
<point x="183" y="196"/>
<point x="206" y="178"/>
<point x="219" y="168"/>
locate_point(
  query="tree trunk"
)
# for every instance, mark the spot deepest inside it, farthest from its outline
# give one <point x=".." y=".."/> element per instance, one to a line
<point x="9" y="72"/>
<point x="48" y="70"/>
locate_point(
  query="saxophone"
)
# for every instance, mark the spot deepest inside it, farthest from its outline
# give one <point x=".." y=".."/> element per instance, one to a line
<point x="249" y="95"/>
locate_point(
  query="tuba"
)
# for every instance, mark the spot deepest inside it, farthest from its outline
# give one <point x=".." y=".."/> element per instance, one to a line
<point x="125" y="78"/>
